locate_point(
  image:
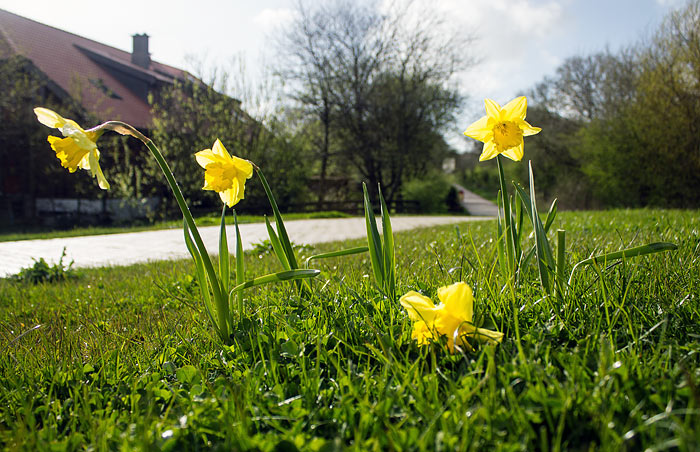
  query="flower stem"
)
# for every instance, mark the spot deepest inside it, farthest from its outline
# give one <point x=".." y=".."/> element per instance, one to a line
<point x="222" y="306"/>
<point x="508" y="233"/>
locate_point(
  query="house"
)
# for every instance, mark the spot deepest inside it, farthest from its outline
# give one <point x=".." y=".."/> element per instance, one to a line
<point x="76" y="73"/>
<point x="108" y="82"/>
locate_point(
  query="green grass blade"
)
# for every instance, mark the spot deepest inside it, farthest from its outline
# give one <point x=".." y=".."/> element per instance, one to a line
<point x="240" y="264"/>
<point x="525" y="199"/>
<point x="224" y="267"/>
<point x="374" y="242"/>
<point x="527" y="203"/>
<point x="276" y="245"/>
<point x="290" y="275"/>
<point x="561" y="261"/>
<point x="500" y="239"/>
<point x="339" y="253"/>
<point x="281" y="230"/>
<point x="528" y="257"/>
<point x="388" y="249"/>
<point x="545" y="260"/>
<point x="650" y="248"/>
<point x="519" y="225"/>
<point x="551" y="215"/>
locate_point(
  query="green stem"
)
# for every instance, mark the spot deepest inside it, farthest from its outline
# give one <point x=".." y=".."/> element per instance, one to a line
<point x="125" y="129"/>
<point x="508" y="235"/>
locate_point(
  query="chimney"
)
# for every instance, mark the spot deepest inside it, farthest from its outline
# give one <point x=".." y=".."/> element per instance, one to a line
<point x="140" y="55"/>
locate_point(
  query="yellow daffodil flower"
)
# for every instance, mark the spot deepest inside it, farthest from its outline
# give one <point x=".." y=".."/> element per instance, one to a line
<point x="502" y="129"/>
<point x="78" y="149"/>
<point x="224" y="173"/>
<point x="451" y="318"/>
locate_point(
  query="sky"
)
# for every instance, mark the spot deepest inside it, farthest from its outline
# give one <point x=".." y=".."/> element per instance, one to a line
<point x="518" y="42"/>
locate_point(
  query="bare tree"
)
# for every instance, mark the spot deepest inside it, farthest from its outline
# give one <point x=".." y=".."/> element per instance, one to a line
<point x="377" y="81"/>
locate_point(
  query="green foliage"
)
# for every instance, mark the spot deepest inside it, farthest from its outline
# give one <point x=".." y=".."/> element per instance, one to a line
<point x="430" y="190"/>
<point x="621" y="129"/>
<point x="42" y="272"/>
<point x="190" y="116"/>
<point x="381" y="248"/>
<point x="108" y="362"/>
<point x="551" y="272"/>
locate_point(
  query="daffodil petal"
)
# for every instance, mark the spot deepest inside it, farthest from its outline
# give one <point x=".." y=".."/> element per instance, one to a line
<point x="220" y="150"/>
<point x="485" y="335"/>
<point x="70" y="155"/>
<point x="479" y="130"/>
<point x="226" y="197"/>
<point x="73" y="130"/>
<point x="244" y="166"/>
<point x="528" y="129"/>
<point x="96" y="170"/>
<point x="458" y="300"/>
<point x="205" y="157"/>
<point x="419" y="307"/>
<point x="230" y="196"/>
<point x="489" y="151"/>
<point x="49" y="118"/>
<point x="421" y="333"/>
<point x="445" y="322"/>
<point x="481" y="334"/>
<point x="224" y="173"/>
<point x="493" y="110"/>
<point x="515" y="109"/>
<point x="85" y="162"/>
<point x="515" y="153"/>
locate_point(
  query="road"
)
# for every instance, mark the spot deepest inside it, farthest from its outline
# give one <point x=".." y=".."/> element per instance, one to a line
<point x="133" y="247"/>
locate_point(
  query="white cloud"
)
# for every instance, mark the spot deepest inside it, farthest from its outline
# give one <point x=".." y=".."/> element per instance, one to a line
<point x="512" y="41"/>
<point x="270" y="18"/>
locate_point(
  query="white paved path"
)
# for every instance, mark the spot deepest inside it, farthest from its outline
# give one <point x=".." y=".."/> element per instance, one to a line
<point x="475" y="204"/>
<point x="133" y="247"/>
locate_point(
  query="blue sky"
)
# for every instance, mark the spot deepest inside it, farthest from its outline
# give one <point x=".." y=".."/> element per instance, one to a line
<point x="518" y="41"/>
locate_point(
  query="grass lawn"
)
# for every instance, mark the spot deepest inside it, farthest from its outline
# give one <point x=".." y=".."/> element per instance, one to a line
<point x="123" y="358"/>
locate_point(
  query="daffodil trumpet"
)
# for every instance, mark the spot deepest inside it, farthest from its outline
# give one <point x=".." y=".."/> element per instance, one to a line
<point x="452" y="318"/>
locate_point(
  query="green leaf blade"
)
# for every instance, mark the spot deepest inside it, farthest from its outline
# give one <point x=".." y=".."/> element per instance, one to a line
<point x="291" y="275"/>
<point x="373" y="240"/>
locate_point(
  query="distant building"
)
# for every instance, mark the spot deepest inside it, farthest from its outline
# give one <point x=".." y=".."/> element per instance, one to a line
<point x="449" y="165"/>
<point x="111" y="83"/>
<point x="83" y="75"/>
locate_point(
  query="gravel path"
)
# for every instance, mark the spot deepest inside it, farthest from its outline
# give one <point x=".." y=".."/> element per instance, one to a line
<point x="133" y="247"/>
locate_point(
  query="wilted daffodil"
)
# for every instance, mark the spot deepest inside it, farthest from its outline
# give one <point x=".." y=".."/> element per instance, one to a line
<point x="502" y="129"/>
<point x="451" y="318"/>
<point x="78" y="149"/>
<point x="224" y="173"/>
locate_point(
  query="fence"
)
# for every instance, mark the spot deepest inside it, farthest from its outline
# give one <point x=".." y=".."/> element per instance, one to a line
<point x="100" y="210"/>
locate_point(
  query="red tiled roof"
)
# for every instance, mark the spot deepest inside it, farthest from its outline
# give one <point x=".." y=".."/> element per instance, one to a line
<point x="81" y="67"/>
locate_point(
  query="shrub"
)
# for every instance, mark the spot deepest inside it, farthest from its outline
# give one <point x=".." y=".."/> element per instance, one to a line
<point x="431" y="192"/>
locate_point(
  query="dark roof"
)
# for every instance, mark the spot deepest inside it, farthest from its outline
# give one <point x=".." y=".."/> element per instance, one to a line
<point x="103" y="78"/>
